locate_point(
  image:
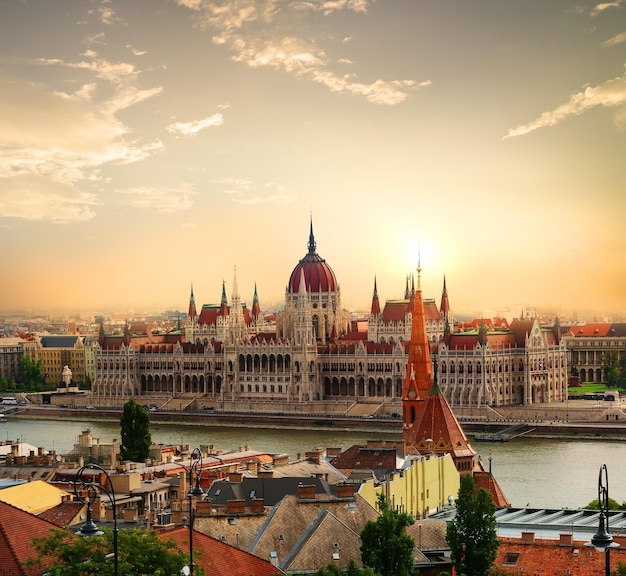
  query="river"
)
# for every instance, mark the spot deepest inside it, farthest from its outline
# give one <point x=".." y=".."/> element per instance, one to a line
<point x="533" y="472"/>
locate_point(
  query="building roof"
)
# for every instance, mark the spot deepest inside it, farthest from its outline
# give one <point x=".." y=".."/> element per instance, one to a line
<point x="17" y="529"/>
<point x="302" y="533"/>
<point x="437" y="430"/>
<point x="271" y="490"/>
<point x="65" y="341"/>
<point x="554" y="557"/>
<point x="67" y="513"/>
<point x="219" y="558"/>
<point x="383" y="459"/>
<point x="318" y="275"/>
<point x="33" y="497"/>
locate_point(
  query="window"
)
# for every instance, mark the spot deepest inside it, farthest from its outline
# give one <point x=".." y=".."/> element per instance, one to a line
<point x="511" y="558"/>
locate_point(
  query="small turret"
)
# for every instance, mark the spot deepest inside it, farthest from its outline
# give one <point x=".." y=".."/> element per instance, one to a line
<point x="375" y="311"/>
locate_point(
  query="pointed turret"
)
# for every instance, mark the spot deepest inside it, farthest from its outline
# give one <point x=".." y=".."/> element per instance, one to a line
<point x="444" y="309"/>
<point x="375" y="311"/>
<point x="223" y="311"/>
<point x="312" y="245"/>
<point x="192" y="306"/>
<point x="256" y="308"/>
<point x="417" y="381"/>
<point x="437" y="431"/>
<point x="407" y="294"/>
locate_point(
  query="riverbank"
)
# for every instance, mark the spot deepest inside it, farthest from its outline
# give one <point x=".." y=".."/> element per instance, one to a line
<point x="473" y="426"/>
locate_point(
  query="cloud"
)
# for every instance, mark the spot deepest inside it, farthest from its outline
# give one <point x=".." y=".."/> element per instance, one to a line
<point x="51" y="140"/>
<point x="105" y="14"/>
<point x="246" y="192"/>
<point x="159" y="199"/>
<point x="611" y="94"/>
<point x="599" y="8"/>
<point x="192" y="128"/>
<point x="265" y="33"/>
<point x="617" y="39"/>
<point x="32" y="197"/>
<point x="121" y="75"/>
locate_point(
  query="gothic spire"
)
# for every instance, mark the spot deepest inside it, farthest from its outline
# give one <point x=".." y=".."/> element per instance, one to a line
<point x="375" y="311"/>
<point x="312" y="245"/>
<point x="192" y="305"/>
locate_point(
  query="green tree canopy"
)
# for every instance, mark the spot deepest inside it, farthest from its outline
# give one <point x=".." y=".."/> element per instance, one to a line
<point x="352" y="570"/>
<point x="32" y="374"/>
<point x="140" y="552"/>
<point x="136" y="437"/>
<point x="471" y="534"/>
<point x="385" y="547"/>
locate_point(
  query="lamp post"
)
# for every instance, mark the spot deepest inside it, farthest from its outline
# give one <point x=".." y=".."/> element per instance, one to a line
<point x="602" y="540"/>
<point x="194" y="470"/>
<point x="92" y="487"/>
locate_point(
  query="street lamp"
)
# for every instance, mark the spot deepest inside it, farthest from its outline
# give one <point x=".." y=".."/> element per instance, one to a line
<point x="602" y="540"/>
<point x="92" y="487"/>
<point x="194" y="470"/>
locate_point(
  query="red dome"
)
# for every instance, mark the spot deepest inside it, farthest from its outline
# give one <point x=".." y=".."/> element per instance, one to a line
<point x="318" y="275"/>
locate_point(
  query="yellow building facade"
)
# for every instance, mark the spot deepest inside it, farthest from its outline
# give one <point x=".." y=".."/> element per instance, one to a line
<point x="424" y="486"/>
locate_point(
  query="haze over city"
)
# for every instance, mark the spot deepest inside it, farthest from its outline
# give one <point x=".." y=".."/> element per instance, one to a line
<point x="148" y="146"/>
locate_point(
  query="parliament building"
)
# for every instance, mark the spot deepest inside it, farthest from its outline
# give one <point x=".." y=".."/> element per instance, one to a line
<point x="315" y="357"/>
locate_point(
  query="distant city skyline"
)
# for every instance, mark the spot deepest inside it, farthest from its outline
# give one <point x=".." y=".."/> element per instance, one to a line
<point x="150" y="146"/>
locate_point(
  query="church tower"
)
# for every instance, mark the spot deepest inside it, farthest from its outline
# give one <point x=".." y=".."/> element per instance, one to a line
<point x="417" y="381"/>
<point x="429" y="425"/>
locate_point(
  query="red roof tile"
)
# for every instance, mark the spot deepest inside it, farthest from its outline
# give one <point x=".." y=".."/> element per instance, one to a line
<point x="554" y="557"/>
<point x="221" y="559"/>
<point x="17" y="529"/>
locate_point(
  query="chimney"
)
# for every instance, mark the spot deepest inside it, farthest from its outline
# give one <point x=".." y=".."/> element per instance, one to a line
<point x="306" y="492"/>
<point x="314" y="457"/>
<point x="566" y="539"/>
<point x="235" y="477"/>
<point x="258" y="505"/>
<point x="235" y="506"/>
<point x="266" y="474"/>
<point x="528" y="537"/>
<point x="345" y="490"/>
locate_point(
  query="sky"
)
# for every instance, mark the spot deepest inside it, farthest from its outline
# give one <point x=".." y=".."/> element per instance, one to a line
<point x="150" y="146"/>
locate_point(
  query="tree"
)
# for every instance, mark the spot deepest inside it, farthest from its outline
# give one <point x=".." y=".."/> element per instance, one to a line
<point x="612" y="503"/>
<point x="139" y="552"/>
<point x="136" y="437"/>
<point x="385" y="547"/>
<point x="471" y="534"/>
<point x="611" y="367"/>
<point x="32" y="374"/>
<point x="351" y="570"/>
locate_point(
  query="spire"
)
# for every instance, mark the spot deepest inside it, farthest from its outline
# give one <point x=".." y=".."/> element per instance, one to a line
<point x="312" y="245"/>
<point x="375" y="311"/>
<point x="256" y="309"/>
<point x="235" y="294"/>
<point x="406" y="287"/>
<point x="419" y="269"/>
<point x="223" y="311"/>
<point x="444" y="309"/>
<point x="419" y="364"/>
<point x="192" y="305"/>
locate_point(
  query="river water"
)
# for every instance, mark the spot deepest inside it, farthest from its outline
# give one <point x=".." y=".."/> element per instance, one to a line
<point x="533" y="472"/>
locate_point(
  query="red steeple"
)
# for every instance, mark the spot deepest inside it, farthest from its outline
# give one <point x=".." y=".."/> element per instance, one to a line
<point x="417" y="381"/>
<point x="375" y="311"/>
<point x="192" y="306"/>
